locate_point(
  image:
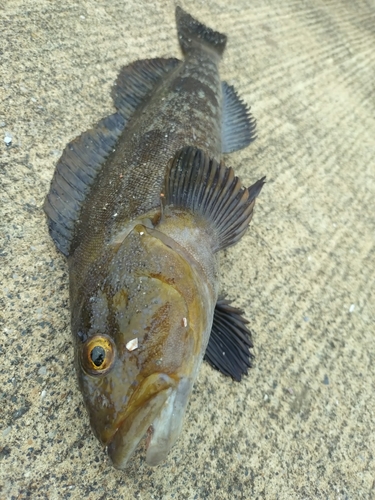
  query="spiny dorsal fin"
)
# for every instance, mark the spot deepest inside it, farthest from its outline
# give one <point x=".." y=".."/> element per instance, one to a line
<point x="228" y="348"/>
<point x="136" y="81"/>
<point x="192" y="33"/>
<point x="238" y="125"/>
<point x="209" y="189"/>
<point x="75" y="172"/>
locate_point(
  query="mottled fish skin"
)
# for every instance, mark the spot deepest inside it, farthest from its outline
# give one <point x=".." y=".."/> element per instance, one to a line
<point x="141" y="229"/>
<point x="184" y="110"/>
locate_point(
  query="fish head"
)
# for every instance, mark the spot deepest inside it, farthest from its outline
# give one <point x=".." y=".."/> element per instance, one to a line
<point x="149" y="326"/>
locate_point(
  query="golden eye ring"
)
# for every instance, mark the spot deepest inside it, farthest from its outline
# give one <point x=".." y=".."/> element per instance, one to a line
<point x="98" y="355"/>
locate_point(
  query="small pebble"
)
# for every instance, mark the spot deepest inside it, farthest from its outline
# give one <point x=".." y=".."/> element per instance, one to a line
<point x="6" y="431"/>
<point x="8" y="138"/>
<point x="42" y="371"/>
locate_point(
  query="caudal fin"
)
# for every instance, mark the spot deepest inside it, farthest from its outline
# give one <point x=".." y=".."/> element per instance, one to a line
<point x="192" y="33"/>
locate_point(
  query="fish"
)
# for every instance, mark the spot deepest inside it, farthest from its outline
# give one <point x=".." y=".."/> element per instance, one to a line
<point x="141" y="206"/>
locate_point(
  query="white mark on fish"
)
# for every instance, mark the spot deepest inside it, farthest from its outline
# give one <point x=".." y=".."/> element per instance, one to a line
<point x="132" y="344"/>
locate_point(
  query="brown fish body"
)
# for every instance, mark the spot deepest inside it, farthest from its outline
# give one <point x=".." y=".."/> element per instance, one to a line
<point x="185" y="109"/>
<point x="140" y="206"/>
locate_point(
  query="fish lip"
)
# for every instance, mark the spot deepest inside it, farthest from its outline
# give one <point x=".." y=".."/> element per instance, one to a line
<point x="124" y="416"/>
<point x="137" y="417"/>
<point x="160" y="418"/>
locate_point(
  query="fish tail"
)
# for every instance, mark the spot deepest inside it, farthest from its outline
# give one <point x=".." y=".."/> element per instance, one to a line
<point x="192" y="33"/>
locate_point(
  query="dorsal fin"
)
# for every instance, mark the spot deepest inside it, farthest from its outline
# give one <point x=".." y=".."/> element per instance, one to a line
<point x="136" y="81"/>
<point x="75" y="172"/>
<point x="238" y="125"/>
<point x="228" y="348"/>
<point x="209" y="189"/>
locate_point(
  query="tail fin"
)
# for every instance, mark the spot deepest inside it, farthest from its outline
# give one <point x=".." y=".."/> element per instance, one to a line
<point x="192" y="33"/>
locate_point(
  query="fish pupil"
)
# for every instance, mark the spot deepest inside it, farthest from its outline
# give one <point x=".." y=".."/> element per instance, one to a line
<point x="98" y="355"/>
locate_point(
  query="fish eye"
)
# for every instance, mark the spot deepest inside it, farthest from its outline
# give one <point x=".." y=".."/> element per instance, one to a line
<point x="98" y="354"/>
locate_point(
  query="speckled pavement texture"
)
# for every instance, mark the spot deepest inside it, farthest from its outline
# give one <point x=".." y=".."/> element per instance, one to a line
<point x="302" y="424"/>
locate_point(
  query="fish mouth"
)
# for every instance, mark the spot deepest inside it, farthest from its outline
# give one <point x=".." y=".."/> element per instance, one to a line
<point x="157" y="408"/>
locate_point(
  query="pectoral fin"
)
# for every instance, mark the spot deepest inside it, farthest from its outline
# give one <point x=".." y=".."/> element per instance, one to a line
<point x="209" y="189"/>
<point x="229" y="345"/>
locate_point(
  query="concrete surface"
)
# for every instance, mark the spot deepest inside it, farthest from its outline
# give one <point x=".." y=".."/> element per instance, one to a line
<point x="301" y="425"/>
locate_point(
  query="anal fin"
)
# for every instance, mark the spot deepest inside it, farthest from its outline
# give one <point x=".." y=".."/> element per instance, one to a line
<point x="208" y="189"/>
<point x="228" y="348"/>
<point x="75" y="173"/>
<point x="238" y="125"/>
<point x="137" y="80"/>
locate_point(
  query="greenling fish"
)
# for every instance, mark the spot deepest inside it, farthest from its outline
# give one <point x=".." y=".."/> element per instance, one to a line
<point x="140" y="205"/>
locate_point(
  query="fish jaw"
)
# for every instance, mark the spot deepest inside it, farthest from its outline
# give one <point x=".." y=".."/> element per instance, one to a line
<point x="144" y="406"/>
<point x="159" y="408"/>
<point x="167" y="426"/>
